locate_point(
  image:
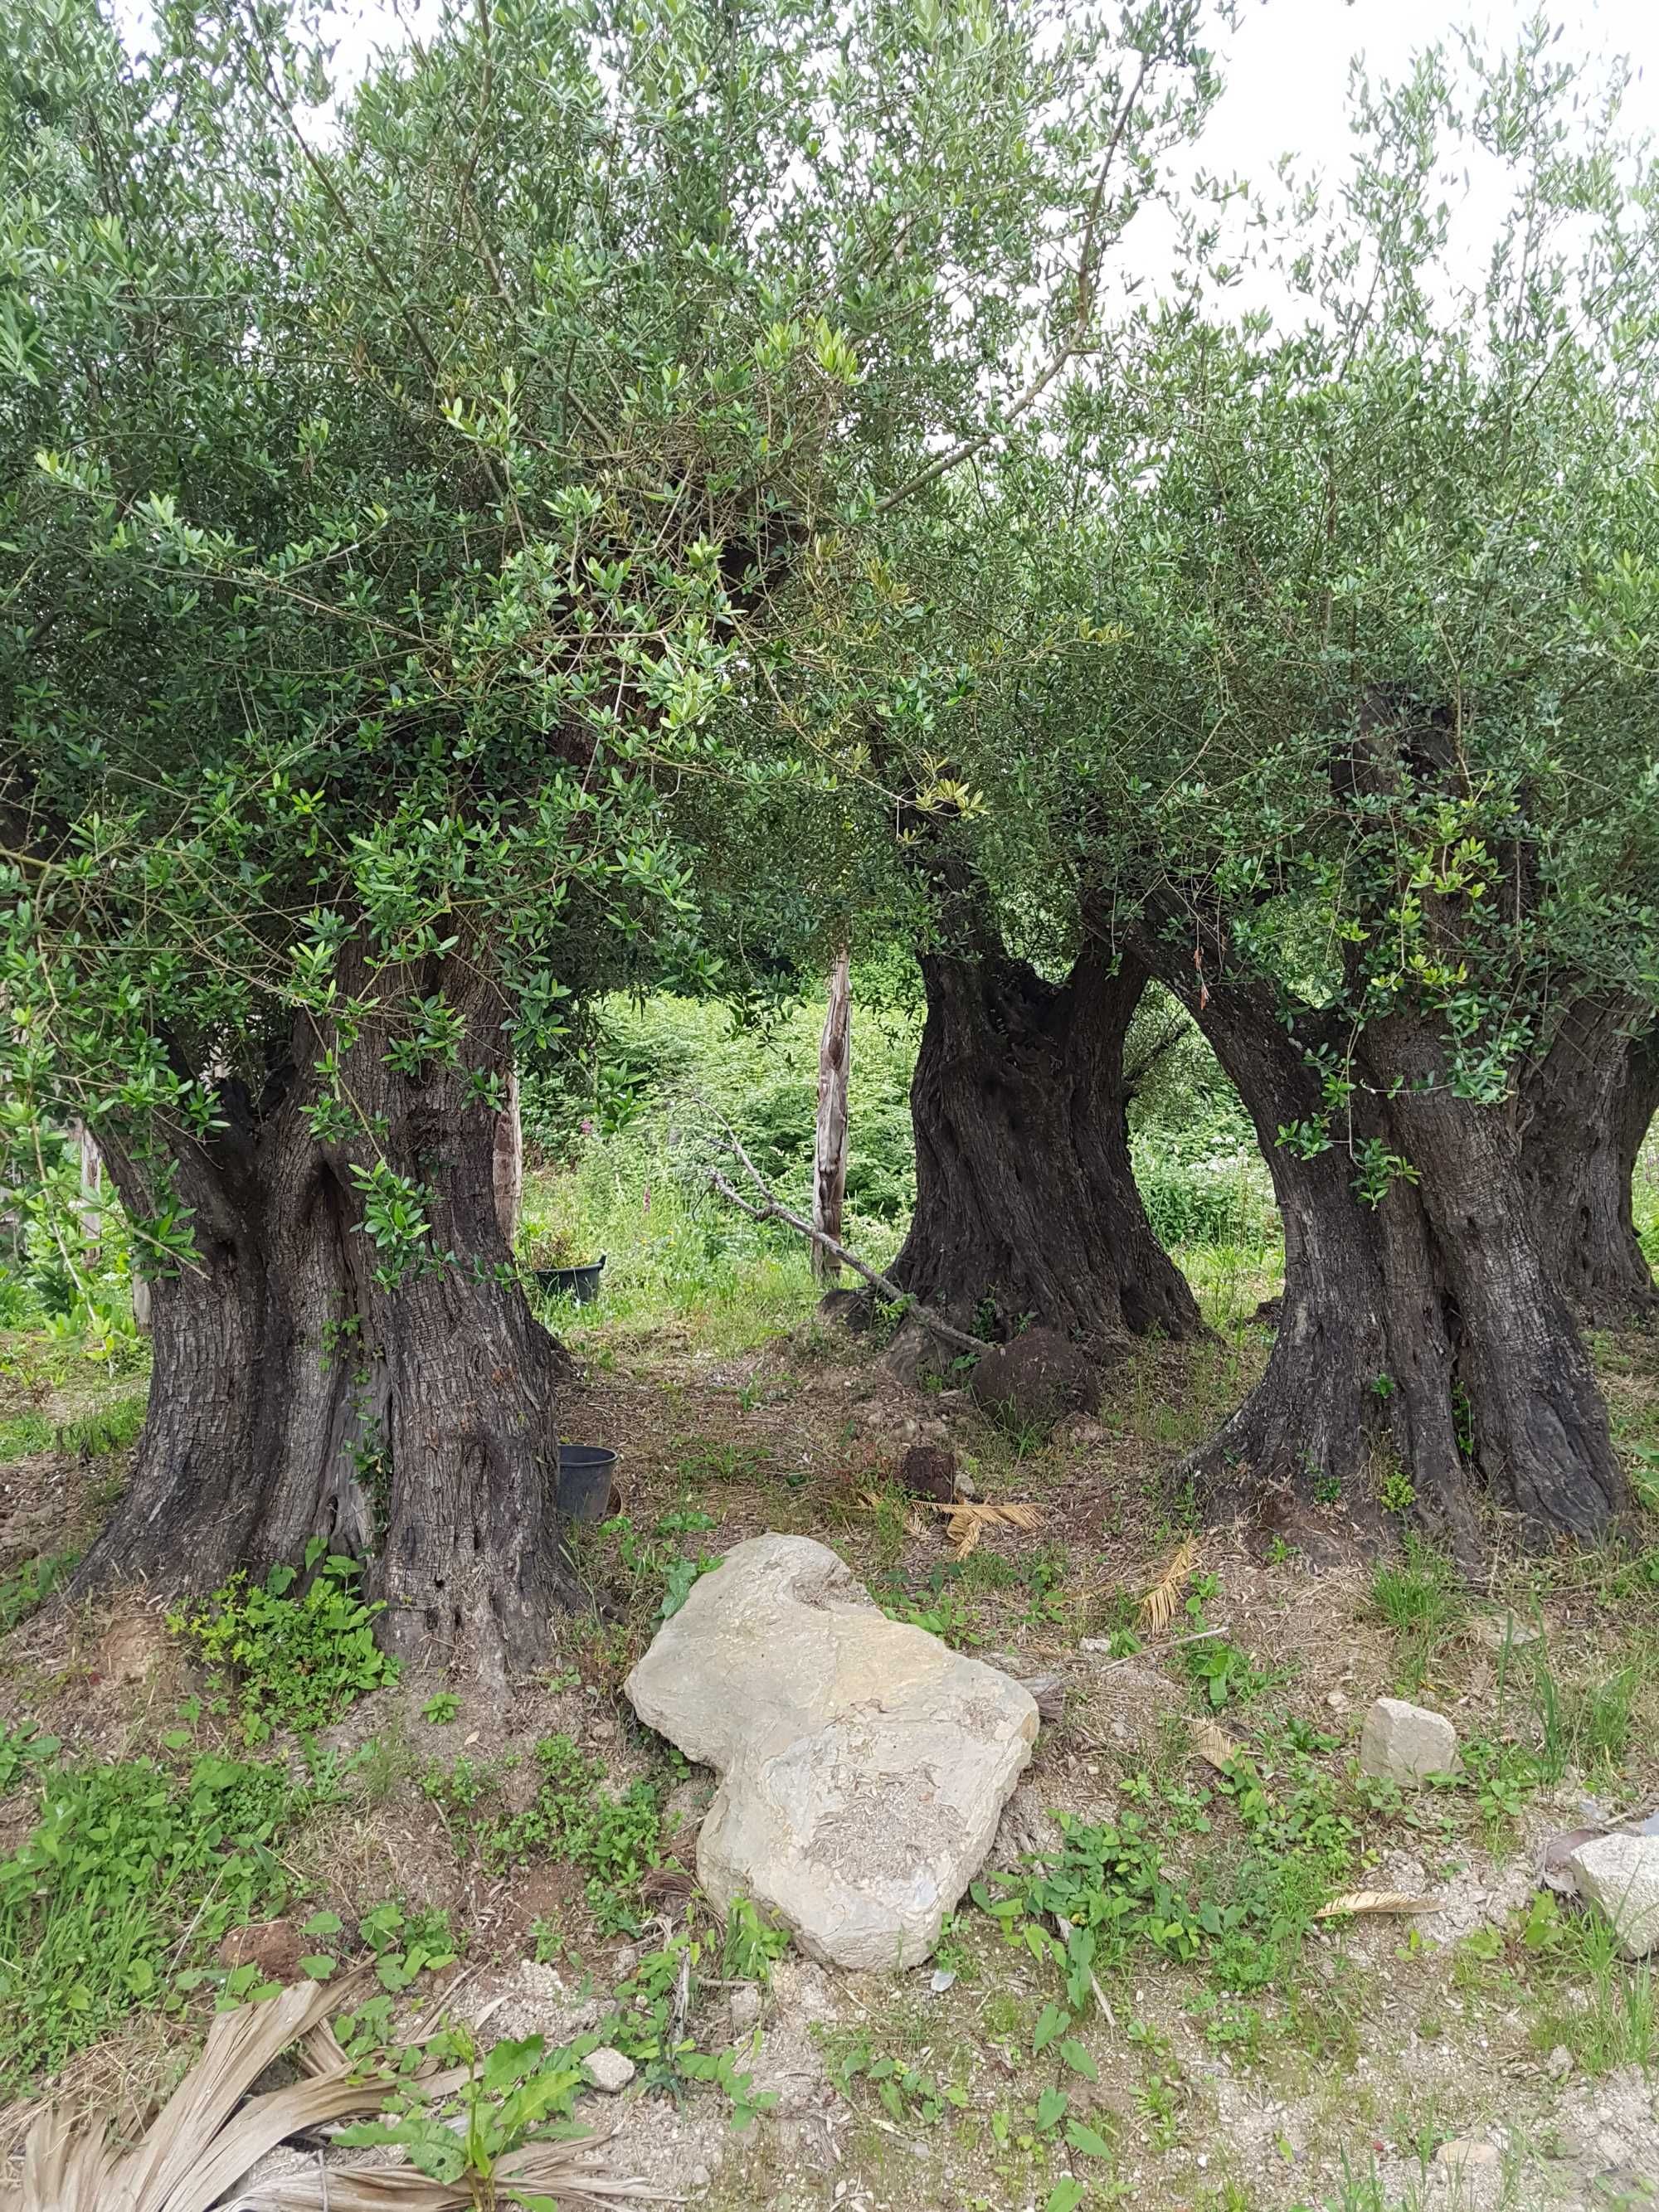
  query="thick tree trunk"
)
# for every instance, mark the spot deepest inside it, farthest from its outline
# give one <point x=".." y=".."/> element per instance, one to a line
<point x="1420" y="1331"/>
<point x="1362" y="1375"/>
<point x="1584" y="1113"/>
<point x="1026" y="1203"/>
<point x="310" y="1381"/>
<point x="830" y="1135"/>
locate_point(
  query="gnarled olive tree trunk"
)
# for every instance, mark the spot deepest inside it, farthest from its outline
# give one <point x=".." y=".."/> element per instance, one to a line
<point x="308" y="1379"/>
<point x="1586" y="1109"/>
<point x="1421" y="1331"/>
<point x="1026" y="1202"/>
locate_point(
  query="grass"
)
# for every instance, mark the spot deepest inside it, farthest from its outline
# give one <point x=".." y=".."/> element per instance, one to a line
<point x="27" y="1589"/>
<point x="1417" y="1597"/>
<point x="111" y="1427"/>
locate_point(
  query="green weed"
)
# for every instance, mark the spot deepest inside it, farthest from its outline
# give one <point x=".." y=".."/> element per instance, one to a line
<point x="129" y="1866"/>
<point x="614" y="1842"/>
<point x="297" y="1659"/>
<point x="658" y="1568"/>
<point x="751" y="1944"/>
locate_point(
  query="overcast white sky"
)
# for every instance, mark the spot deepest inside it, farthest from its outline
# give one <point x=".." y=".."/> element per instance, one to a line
<point x="1287" y="70"/>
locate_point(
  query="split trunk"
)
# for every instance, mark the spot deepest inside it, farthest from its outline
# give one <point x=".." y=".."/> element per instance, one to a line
<point x="1422" y="1332"/>
<point x="1584" y="1115"/>
<point x="309" y="1380"/>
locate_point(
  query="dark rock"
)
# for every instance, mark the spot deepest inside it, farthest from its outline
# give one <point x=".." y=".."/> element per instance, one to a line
<point x="274" y="1946"/>
<point x="847" y="1310"/>
<point x="1034" y="1379"/>
<point x="928" y="1471"/>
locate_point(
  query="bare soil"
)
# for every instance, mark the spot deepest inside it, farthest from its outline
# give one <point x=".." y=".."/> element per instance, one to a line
<point x="1392" y="2036"/>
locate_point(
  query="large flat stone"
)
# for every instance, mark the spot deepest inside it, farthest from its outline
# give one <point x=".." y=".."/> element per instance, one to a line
<point x="863" y="1764"/>
<point x="1620" y="1873"/>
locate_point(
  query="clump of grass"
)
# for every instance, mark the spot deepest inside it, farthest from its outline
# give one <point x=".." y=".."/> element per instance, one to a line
<point x="1598" y="2004"/>
<point x="28" y="1588"/>
<point x="1586" y="1724"/>
<point x="1417" y="1596"/>
<point x="22" y="1435"/>
<point x="109" y="1428"/>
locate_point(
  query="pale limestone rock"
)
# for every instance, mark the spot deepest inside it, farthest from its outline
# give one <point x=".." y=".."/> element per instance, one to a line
<point x="1620" y="1873"/>
<point x="608" y="2070"/>
<point x="1461" y="2155"/>
<point x="864" y="1764"/>
<point x="1404" y="1743"/>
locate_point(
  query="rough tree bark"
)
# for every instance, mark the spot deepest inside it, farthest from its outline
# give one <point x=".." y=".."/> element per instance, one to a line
<point x="1423" y="1329"/>
<point x="1026" y="1201"/>
<point x="1584" y="1113"/>
<point x="302" y="1386"/>
<point x="830" y="1137"/>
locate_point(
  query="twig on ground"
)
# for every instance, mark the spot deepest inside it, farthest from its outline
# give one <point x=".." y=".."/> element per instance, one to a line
<point x="1157" y="1650"/>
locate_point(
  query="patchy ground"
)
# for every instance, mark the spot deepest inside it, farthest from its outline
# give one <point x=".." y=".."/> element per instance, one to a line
<point x="1237" y="2053"/>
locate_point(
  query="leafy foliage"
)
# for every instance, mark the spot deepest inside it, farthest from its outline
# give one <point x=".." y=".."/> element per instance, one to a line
<point x="128" y="1864"/>
<point x="298" y="1657"/>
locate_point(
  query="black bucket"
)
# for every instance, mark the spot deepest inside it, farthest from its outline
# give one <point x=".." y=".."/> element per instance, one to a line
<point x="586" y="1473"/>
<point x="580" y="1285"/>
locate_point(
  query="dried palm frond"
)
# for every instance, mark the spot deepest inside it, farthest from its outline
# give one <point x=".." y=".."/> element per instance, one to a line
<point x="966" y="1523"/>
<point x="566" y="2172"/>
<point x="1375" y="1900"/>
<point x="1213" y="1745"/>
<point x="206" y="2136"/>
<point x="1160" y="1605"/>
<point x="211" y="2132"/>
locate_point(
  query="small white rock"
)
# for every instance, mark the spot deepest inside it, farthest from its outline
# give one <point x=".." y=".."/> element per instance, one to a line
<point x="1494" y="1630"/>
<point x="608" y="2070"/>
<point x="1460" y="2155"/>
<point x="746" y="2007"/>
<point x="1404" y="1743"/>
<point x="1620" y="1873"/>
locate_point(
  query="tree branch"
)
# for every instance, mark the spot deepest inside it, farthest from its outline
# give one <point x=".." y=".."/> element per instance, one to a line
<point x="769" y="1209"/>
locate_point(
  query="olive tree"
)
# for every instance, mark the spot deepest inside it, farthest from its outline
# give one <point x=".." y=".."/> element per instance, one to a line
<point x="395" y="498"/>
<point x="1369" y="760"/>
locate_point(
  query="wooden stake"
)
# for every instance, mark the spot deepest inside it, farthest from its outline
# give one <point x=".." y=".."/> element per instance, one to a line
<point x="830" y="1148"/>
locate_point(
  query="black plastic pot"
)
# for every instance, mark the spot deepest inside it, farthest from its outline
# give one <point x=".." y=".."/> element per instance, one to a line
<point x="580" y="1283"/>
<point x="585" y="1472"/>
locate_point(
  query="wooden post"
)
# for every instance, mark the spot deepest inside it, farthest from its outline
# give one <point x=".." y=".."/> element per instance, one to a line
<point x="830" y="1148"/>
<point x="90" y="1204"/>
<point x="508" y="1166"/>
